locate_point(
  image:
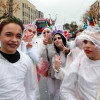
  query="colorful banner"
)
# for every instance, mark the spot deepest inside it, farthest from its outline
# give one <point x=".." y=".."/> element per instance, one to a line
<point x="91" y="20"/>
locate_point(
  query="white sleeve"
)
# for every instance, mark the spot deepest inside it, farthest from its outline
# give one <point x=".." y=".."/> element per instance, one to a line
<point x="34" y="53"/>
<point x="31" y="82"/>
<point x="41" y="47"/>
<point x="60" y="75"/>
<point x="68" y="87"/>
<point x="50" y="50"/>
<point x="22" y="46"/>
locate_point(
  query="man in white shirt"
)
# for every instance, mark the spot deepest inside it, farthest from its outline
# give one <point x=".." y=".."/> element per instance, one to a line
<point x="18" y="77"/>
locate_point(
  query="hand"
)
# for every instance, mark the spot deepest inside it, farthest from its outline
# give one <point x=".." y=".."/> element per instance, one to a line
<point x="57" y="61"/>
<point x="27" y="37"/>
<point x="29" y="45"/>
<point x="64" y="49"/>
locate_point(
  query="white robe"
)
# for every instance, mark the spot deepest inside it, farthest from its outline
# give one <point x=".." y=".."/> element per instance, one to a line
<point x="32" y="52"/>
<point x="82" y="80"/>
<point x="18" y="81"/>
<point x="70" y="58"/>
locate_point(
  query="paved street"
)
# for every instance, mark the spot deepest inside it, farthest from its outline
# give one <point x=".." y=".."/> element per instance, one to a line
<point x="43" y="89"/>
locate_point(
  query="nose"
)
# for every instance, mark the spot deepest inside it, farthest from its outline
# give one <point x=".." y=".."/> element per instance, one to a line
<point x="45" y="35"/>
<point x="87" y="45"/>
<point x="14" y="39"/>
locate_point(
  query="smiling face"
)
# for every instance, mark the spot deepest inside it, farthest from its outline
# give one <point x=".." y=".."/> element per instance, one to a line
<point x="91" y="50"/>
<point x="10" y="38"/>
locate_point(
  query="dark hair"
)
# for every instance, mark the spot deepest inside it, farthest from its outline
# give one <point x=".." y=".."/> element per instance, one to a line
<point x="63" y="40"/>
<point x="11" y="20"/>
<point x="80" y="30"/>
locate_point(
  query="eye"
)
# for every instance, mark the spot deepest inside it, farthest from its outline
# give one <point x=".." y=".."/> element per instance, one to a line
<point x="85" y="41"/>
<point x="48" y="31"/>
<point x="55" y="39"/>
<point x="59" y="38"/>
<point x="29" y="30"/>
<point x="8" y="34"/>
<point x="33" y="32"/>
<point x="19" y="35"/>
<point x="44" y="32"/>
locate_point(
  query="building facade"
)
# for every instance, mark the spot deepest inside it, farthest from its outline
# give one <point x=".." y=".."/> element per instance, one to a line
<point x="27" y="12"/>
<point x="95" y="9"/>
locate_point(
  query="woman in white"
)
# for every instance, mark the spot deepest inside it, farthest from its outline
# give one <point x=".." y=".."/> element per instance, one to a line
<point x="82" y="80"/>
<point x="58" y="60"/>
<point x="74" y="52"/>
<point x="29" y="46"/>
<point x="29" y="41"/>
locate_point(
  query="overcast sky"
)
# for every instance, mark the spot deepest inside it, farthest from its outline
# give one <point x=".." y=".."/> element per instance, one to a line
<point x="66" y="10"/>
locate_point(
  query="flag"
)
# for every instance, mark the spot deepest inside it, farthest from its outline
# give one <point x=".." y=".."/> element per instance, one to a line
<point x="91" y="20"/>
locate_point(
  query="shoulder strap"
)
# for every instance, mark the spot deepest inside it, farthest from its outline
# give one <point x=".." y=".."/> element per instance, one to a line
<point x="47" y="55"/>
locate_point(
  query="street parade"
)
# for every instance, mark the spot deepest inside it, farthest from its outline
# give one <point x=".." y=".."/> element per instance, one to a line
<point x="42" y="58"/>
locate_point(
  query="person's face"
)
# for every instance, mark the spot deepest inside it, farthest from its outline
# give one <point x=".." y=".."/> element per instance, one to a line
<point x="10" y="38"/>
<point x="46" y="31"/>
<point x="30" y="31"/>
<point x="91" y="50"/>
<point x="58" y="41"/>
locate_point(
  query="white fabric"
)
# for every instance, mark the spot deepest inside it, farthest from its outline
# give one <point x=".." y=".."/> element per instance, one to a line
<point x="18" y="81"/>
<point x="81" y="83"/>
<point x="92" y="33"/>
<point x="53" y="88"/>
<point x="70" y="58"/>
<point x="32" y="52"/>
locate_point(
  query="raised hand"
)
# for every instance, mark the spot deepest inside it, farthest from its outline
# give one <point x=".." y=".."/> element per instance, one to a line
<point x="29" y="45"/>
<point x="27" y="37"/>
<point x="57" y="61"/>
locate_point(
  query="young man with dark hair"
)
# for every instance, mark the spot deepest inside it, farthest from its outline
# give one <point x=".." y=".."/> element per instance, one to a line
<point x="18" y="78"/>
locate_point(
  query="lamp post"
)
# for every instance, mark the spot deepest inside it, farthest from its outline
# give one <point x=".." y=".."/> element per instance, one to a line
<point x="98" y="12"/>
<point x="10" y="8"/>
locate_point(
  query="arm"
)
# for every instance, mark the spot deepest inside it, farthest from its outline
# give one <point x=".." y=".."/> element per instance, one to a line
<point x="34" y="53"/>
<point x="31" y="82"/>
<point x="59" y="66"/>
<point x="68" y="87"/>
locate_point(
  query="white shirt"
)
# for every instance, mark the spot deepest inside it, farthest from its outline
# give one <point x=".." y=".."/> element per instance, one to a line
<point x="18" y="81"/>
<point x="82" y="80"/>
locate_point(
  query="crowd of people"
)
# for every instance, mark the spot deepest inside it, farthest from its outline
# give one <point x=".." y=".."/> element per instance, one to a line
<point x="71" y="68"/>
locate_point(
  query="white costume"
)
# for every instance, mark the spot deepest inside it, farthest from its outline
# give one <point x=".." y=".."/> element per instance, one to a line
<point x="18" y="81"/>
<point x="54" y="84"/>
<point x="32" y="52"/>
<point x="82" y="80"/>
<point x="70" y="58"/>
